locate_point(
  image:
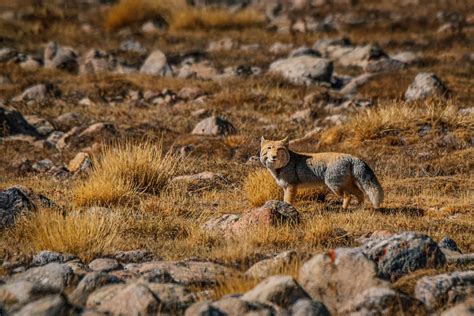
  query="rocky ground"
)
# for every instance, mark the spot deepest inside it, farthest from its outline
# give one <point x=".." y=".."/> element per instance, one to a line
<point x="129" y="176"/>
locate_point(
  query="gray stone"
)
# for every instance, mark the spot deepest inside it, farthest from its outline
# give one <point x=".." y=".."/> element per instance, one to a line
<point x="7" y="54"/>
<point x="156" y="65"/>
<point x="403" y="253"/>
<point x="221" y="223"/>
<point x="46" y="306"/>
<point x="463" y="309"/>
<point x="426" y="85"/>
<point x="407" y="57"/>
<point x="214" y="126"/>
<point x="43" y="165"/>
<point x="133" y="256"/>
<point x="445" y="289"/>
<point x="384" y="65"/>
<point x="173" y="297"/>
<point x="307" y="307"/>
<point x="122" y="299"/>
<point x="133" y="47"/>
<point x="53" y="275"/>
<point x="14" y="295"/>
<point x="104" y="265"/>
<point x="304" y="69"/>
<point x="232" y="306"/>
<point x="304" y="51"/>
<point x="89" y="283"/>
<point x="267" y="267"/>
<point x="14" y="202"/>
<point x="60" y="57"/>
<point x="223" y="44"/>
<point x="44" y="257"/>
<point x="329" y="277"/>
<point x="448" y="243"/>
<point x="280" y="290"/>
<point x="383" y="301"/>
<point x="203" y="309"/>
<point x="12" y="123"/>
<point x="38" y="93"/>
<point x="66" y="121"/>
<point x="96" y="61"/>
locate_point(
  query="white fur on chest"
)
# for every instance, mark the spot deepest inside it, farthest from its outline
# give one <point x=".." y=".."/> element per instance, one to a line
<point x="280" y="182"/>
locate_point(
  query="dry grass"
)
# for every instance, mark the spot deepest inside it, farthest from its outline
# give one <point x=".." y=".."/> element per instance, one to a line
<point x="85" y="234"/>
<point x="126" y="170"/>
<point x="259" y="187"/>
<point x="129" y="12"/>
<point x="396" y="117"/>
<point x="216" y="19"/>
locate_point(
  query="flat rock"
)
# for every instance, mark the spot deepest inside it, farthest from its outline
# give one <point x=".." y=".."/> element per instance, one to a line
<point x="52" y="275"/>
<point x="329" y="277"/>
<point x="80" y="163"/>
<point x="104" y="265"/>
<point x="156" y="64"/>
<point x="214" y="126"/>
<point x="89" y="283"/>
<point x="304" y="69"/>
<point x="403" y="253"/>
<point x="46" y="306"/>
<point x="279" y="289"/>
<point x="445" y="289"/>
<point x="426" y="85"/>
<point x="44" y="257"/>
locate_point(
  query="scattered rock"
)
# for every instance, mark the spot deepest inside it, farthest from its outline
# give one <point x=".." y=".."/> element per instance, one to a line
<point x="42" y="126"/>
<point x="12" y="123"/>
<point x="346" y="54"/>
<point x="304" y="69"/>
<point x="14" y="295"/>
<point x="407" y="58"/>
<point x="14" y="202"/>
<point x="80" y="163"/>
<point x="52" y="275"/>
<point x="46" y="306"/>
<point x="445" y="289"/>
<point x="173" y="297"/>
<point x="133" y="256"/>
<point x="60" y="57"/>
<point x="190" y="93"/>
<point x="304" y="51"/>
<point x="448" y="243"/>
<point x="203" y="70"/>
<point x="403" y="253"/>
<point x="203" y="308"/>
<point x="384" y="65"/>
<point x="132" y="46"/>
<point x="306" y="307"/>
<point x="424" y="86"/>
<point x="100" y="130"/>
<point x="66" y="121"/>
<point x="156" y="65"/>
<point x="122" y="299"/>
<point x="104" y="265"/>
<point x="383" y="301"/>
<point x="44" y="257"/>
<point x="7" y="54"/>
<point x="222" y="45"/>
<point x="280" y="290"/>
<point x="89" y="283"/>
<point x="37" y="93"/>
<point x="280" y="48"/>
<point x="96" y="61"/>
<point x="214" y="126"/>
<point x="222" y="223"/>
<point x="235" y="307"/>
<point x="329" y="277"/>
<point x="267" y="267"/>
<point x="200" y="180"/>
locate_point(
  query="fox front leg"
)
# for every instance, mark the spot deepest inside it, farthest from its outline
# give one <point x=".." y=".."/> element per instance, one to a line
<point x="289" y="194"/>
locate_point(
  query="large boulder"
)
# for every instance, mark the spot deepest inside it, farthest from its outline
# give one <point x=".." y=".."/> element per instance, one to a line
<point x="214" y="126"/>
<point x="308" y="307"/>
<point x="426" y="85"/>
<point x="445" y="289"/>
<point x="14" y="295"/>
<point x="173" y="297"/>
<point x="383" y="301"/>
<point x="330" y="277"/>
<point x="304" y="69"/>
<point x="281" y="290"/>
<point x="12" y="123"/>
<point x="60" y="57"/>
<point x="104" y="264"/>
<point x="403" y="253"/>
<point x="156" y="64"/>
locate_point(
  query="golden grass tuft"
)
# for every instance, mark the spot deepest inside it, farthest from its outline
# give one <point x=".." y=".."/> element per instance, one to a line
<point x="84" y="234"/>
<point x="128" y="12"/>
<point x="398" y="116"/>
<point x="259" y="187"/>
<point x="216" y="19"/>
<point x="124" y="171"/>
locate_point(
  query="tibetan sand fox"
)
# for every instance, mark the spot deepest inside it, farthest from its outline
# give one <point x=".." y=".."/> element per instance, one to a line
<point x="345" y="175"/>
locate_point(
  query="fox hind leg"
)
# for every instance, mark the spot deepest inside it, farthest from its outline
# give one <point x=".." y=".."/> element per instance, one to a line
<point x="346" y="200"/>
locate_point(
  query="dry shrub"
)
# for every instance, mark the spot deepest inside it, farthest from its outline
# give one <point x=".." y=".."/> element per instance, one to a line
<point x="128" y="12"/>
<point x="398" y="116"/>
<point x="259" y="187"/>
<point x="218" y="19"/>
<point x="124" y="171"/>
<point x="84" y="234"/>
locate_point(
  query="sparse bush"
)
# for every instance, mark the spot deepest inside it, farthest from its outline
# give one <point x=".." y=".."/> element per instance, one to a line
<point x="85" y="234"/>
<point x="124" y="171"/>
<point x="218" y="19"/>
<point x="259" y="187"/>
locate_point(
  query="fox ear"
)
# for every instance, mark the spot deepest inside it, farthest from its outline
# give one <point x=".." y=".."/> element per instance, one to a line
<point x="262" y="140"/>
<point x="285" y="141"/>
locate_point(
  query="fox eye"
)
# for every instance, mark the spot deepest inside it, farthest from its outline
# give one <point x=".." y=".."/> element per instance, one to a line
<point x="269" y="147"/>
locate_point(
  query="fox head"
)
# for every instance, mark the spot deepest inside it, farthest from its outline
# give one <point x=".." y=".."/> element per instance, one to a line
<point x="274" y="154"/>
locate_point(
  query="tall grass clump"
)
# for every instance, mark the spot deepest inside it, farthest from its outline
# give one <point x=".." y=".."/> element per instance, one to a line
<point x="129" y="12"/>
<point x="259" y="187"/>
<point x="85" y="234"/>
<point x="126" y="170"/>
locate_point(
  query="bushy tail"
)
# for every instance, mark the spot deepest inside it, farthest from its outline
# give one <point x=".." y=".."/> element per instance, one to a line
<point x="367" y="182"/>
